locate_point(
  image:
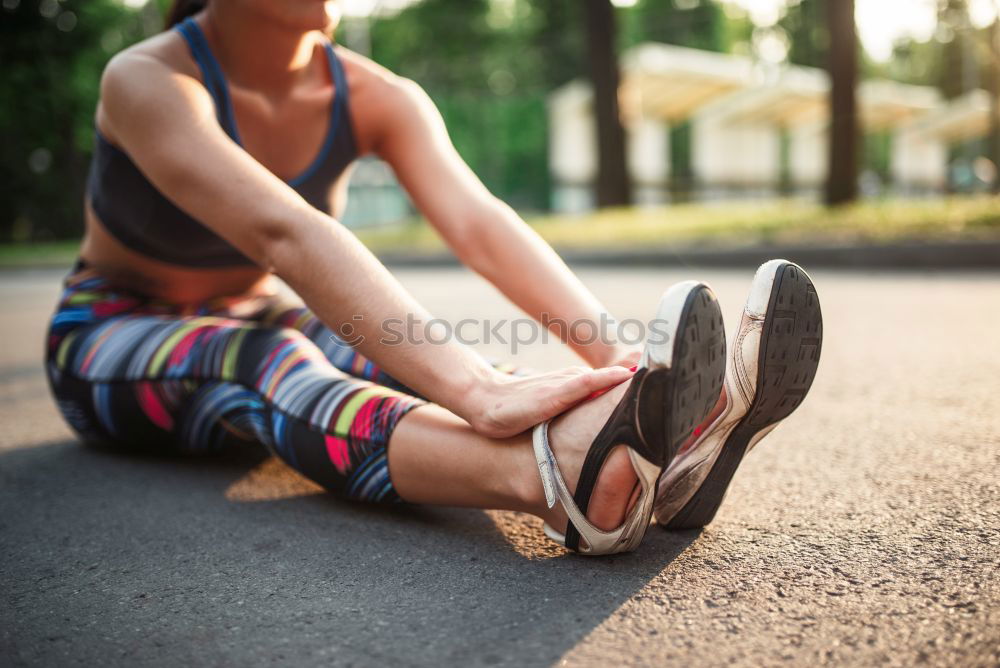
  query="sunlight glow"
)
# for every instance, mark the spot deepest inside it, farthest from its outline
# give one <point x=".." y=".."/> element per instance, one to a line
<point x="882" y="22"/>
<point x="374" y="7"/>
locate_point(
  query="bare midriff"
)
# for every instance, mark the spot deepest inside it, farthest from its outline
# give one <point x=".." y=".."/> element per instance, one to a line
<point x="171" y="282"/>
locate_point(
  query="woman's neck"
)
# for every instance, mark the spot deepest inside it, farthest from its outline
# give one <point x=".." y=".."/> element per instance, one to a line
<point x="257" y="53"/>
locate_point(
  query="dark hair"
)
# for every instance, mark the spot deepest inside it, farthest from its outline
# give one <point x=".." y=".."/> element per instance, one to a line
<point x="181" y="9"/>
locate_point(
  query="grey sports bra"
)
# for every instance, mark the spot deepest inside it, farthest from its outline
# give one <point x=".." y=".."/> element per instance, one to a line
<point x="140" y="217"/>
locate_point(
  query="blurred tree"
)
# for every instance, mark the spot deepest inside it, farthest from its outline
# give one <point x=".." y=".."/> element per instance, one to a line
<point x="445" y="45"/>
<point x="557" y="37"/>
<point x="808" y="38"/>
<point x="914" y="62"/>
<point x="737" y="30"/>
<point x="953" y="29"/>
<point x="842" y="177"/>
<point x="993" y="86"/>
<point x="699" y="24"/>
<point x="957" y="59"/>
<point x="52" y="54"/>
<point x="476" y="60"/>
<point x="613" y="187"/>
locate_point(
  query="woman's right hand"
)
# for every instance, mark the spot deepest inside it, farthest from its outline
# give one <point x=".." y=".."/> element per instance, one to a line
<point x="505" y="405"/>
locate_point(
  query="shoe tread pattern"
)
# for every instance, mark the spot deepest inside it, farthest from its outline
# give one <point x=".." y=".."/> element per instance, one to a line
<point x="663" y="406"/>
<point x="699" y="367"/>
<point x="790" y="348"/>
<point x="790" y="352"/>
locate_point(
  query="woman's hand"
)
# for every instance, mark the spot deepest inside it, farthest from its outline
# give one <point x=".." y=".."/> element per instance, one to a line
<point x="507" y="405"/>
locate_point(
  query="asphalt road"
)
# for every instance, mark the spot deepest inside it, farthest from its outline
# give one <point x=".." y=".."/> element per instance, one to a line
<point x="865" y="530"/>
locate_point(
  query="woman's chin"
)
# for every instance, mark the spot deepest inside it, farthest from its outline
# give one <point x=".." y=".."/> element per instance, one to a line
<point x="307" y="15"/>
<point x="332" y="15"/>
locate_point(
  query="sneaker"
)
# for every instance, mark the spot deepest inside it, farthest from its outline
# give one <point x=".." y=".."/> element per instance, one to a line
<point x="772" y="363"/>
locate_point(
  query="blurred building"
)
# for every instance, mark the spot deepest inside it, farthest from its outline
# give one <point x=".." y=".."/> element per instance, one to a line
<point x="374" y="196"/>
<point x="707" y="126"/>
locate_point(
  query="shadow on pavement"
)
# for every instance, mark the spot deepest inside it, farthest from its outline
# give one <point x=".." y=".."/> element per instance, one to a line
<point x="116" y="559"/>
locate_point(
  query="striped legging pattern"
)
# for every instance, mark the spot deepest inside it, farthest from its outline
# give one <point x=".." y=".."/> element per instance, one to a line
<point x="145" y="374"/>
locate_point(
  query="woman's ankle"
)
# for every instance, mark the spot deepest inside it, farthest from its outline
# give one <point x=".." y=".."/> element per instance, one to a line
<point x="570" y="437"/>
<point x="525" y="483"/>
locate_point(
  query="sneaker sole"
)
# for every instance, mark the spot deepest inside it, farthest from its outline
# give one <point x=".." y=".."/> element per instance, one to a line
<point x="682" y="373"/>
<point x="686" y="376"/>
<point x="791" y="341"/>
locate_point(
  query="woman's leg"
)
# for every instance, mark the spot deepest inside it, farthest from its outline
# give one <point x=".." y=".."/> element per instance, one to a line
<point x="436" y="458"/>
<point x="203" y="384"/>
<point x="282" y="311"/>
<point x="200" y="384"/>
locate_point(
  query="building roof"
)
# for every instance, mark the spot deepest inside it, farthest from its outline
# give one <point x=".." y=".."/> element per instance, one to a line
<point x="674" y="83"/>
<point x="963" y="118"/>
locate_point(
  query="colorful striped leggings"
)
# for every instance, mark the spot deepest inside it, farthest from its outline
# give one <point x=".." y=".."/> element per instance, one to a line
<point x="148" y="375"/>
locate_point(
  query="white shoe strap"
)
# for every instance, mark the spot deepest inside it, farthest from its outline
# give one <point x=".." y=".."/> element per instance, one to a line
<point x="624" y="538"/>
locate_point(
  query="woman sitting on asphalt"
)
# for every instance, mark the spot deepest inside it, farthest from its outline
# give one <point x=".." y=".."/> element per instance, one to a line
<point x="221" y="162"/>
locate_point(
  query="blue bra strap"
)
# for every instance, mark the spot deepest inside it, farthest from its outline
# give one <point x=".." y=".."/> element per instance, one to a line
<point x="338" y="110"/>
<point x="215" y="80"/>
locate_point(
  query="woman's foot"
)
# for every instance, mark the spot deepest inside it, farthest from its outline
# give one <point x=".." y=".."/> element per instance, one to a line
<point x="771" y="366"/>
<point x="606" y="454"/>
<point x="570" y="436"/>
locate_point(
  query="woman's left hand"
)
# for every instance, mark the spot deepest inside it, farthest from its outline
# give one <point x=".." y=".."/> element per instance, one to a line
<point x="504" y="405"/>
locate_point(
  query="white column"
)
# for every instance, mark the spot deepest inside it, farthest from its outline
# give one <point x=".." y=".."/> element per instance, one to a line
<point x="918" y="161"/>
<point x="733" y="157"/>
<point x="649" y="160"/>
<point x="572" y="148"/>
<point x="808" y="155"/>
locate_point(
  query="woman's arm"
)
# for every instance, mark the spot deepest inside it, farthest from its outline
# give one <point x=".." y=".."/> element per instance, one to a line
<point x="166" y="122"/>
<point x="486" y="234"/>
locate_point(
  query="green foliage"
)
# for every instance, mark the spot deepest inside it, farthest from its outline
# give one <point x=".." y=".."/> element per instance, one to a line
<point x="443" y="44"/>
<point x="804" y="22"/>
<point x="557" y="37"/>
<point x="504" y="140"/>
<point x="951" y="79"/>
<point x="877" y="154"/>
<point x="914" y="62"/>
<point x="681" y="161"/>
<point x="777" y="221"/>
<point x="480" y="63"/>
<point x="957" y="59"/>
<point x="730" y="224"/>
<point x="737" y="30"/>
<point x="698" y="24"/>
<point x="52" y="54"/>
<point x="488" y="64"/>
<point x="739" y="223"/>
